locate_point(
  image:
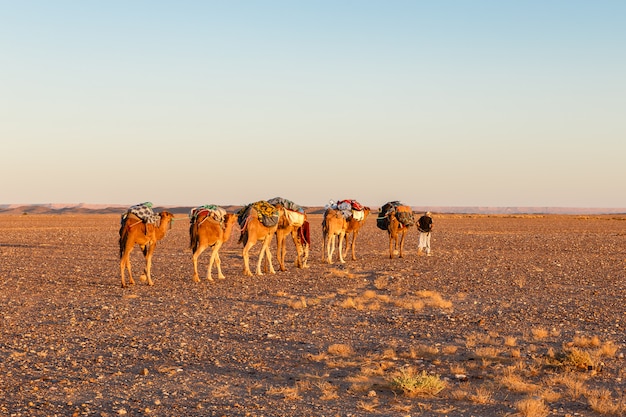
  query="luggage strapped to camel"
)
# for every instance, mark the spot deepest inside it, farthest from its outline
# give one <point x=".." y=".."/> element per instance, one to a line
<point x="293" y="212"/>
<point x="143" y="212"/>
<point x="208" y="212"/>
<point x="403" y="213"/>
<point x="267" y="214"/>
<point x="350" y="208"/>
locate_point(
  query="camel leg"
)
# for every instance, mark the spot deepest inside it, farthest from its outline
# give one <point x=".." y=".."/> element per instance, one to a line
<point x="345" y="249"/>
<point x="125" y="265"/>
<point x="391" y="239"/>
<point x="281" y="250"/>
<point x="305" y="256"/>
<point x="265" y="252"/>
<point x="246" y="258"/>
<point x="268" y="254"/>
<point x="353" y="245"/>
<point x="298" y="245"/>
<point x="194" y="258"/>
<point x="330" y="245"/>
<point x="324" y="245"/>
<point x="148" y="269"/>
<point x="402" y="243"/>
<point x="218" y="263"/>
<point x="215" y="258"/>
<point x="341" y="239"/>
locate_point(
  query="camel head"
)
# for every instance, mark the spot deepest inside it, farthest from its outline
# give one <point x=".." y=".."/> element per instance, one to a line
<point x="168" y="217"/>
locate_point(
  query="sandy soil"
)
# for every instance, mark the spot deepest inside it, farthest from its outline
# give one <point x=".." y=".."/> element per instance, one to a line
<point x="496" y="313"/>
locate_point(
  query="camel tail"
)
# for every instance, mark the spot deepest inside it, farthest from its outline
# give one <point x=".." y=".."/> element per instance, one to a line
<point x="123" y="239"/>
<point x="193" y="236"/>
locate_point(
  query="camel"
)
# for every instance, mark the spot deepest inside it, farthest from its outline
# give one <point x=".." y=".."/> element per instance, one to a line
<point x="397" y="229"/>
<point x="207" y="232"/>
<point x="353" y="226"/>
<point x="286" y="227"/>
<point x="134" y="231"/>
<point x="333" y="225"/>
<point x="251" y="232"/>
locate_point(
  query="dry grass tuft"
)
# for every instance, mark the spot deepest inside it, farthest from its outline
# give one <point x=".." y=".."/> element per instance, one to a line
<point x="413" y="384"/>
<point x="516" y="383"/>
<point x="481" y="395"/>
<point x="532" y="407"/>
<point x="491" y="352"/>
<point x="510" y="341"/>
<point x="539" y="333"/>
<point x="328" y="390"/>
<point x="575" y="383"/>
<point x="586" y="342"/>
<point x="341" y="350"/>
<point x="607" y="349"/>
<point x="288" y="394"/>
<point x="602" y="402"/>
<point x="579" y="358"/>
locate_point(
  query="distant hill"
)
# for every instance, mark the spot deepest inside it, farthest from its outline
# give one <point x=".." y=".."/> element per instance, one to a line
<point x="119" y="209"/>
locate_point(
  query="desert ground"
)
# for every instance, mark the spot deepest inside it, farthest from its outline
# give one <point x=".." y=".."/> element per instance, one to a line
<point x="512" y="315"/>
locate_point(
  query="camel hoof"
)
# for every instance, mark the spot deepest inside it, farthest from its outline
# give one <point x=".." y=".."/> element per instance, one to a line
<point x="222" y="277"/>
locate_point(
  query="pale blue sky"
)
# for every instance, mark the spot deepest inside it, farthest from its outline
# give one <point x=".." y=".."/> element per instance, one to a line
<point x="434" y="103"/>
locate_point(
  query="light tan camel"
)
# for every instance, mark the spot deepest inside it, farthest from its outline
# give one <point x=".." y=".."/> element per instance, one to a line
<point x="253" y="231"/>
<point x="207" y="232"/>
<point x="134" y="231"/>
<point x="397" y="231"/>
<point x="285" y="228"/>
<point x="353" y="226"/>
<point x="334" y="225"/>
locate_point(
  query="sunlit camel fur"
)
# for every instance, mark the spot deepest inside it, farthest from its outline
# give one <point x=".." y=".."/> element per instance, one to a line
<point x="397" y="231"/>
<point x="135" y="232"/>
<point x="286" y="228"/>
<point x="207" y="232"/>
<point x="353" y="226"/>
<point x="333" y="225"/>
<point x="252" y="232"/>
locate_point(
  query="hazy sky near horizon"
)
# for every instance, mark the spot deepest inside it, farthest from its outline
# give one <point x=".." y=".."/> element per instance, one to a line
<point x="446" y="103"/>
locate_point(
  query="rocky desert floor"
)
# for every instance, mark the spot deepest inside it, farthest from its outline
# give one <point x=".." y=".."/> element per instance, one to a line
<point x="512" y="315"/>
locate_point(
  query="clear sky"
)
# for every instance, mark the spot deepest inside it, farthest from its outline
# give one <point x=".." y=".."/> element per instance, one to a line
<point x="434" y="103"/>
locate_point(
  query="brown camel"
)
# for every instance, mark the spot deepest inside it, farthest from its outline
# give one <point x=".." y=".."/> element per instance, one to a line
<point x="135" y="232"/>
<point x="397" y="231"/>
<point x="207" y="232"/>
<point x="333" y="225"/>
<point x="289" y="224"/>
<point x="353" y="226"/>
<point x="251" y="232"/>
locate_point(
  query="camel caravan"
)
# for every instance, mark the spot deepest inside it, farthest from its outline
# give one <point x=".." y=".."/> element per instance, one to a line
<point x="210" y="226"/>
